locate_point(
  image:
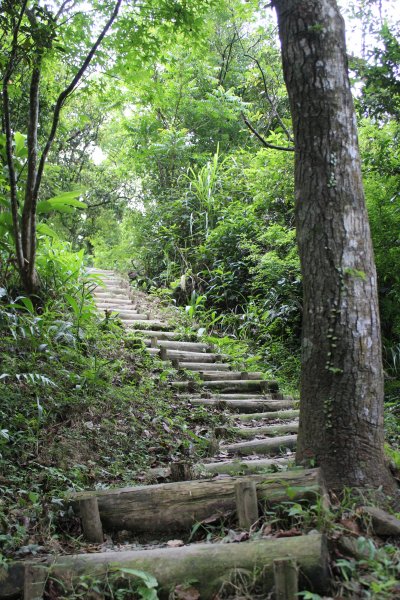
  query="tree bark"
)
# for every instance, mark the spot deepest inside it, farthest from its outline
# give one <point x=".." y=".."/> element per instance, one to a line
<point x="341" y="407"/>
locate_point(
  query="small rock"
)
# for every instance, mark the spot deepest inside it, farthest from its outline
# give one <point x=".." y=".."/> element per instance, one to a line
<point x="383" y="523"/>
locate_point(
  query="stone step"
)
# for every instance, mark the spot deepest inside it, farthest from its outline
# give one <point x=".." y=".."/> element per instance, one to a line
<point x="241" y="467"/>
<point x="265" y="447"/>
<point x="178" y="345"/>
<point x="250" y="406"/>
<point x="280" y="414"/>
<point x="226" y="376"/>
<point x="268" y="430"/>
<point x="204" y="366"/>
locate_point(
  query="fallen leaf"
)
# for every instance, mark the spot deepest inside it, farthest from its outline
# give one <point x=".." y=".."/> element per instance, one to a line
<point x="350" y="525"/>
<point x="288" y="533"/>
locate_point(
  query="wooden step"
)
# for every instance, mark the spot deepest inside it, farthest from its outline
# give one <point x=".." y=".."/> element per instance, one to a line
<point x="192" y="366"/>
<point x="234" y="385"/>
<point x="250" y="406"/>
<point x="211" y="566"/>
<point x="268" y="430"/>
<point x="183" y="356"/>
<point x="279" y="414"/>
<point x="111" y="292"/>
<point x="158" y="333"/>
<point x="223" y="376"/>
<point x="142" y="325"/>
<point x="178" y="506"/>
<point x="130" y="316"/>
<point x="178" y="345"/>
<point x="115" y="300"/>
<point x="267" y="446"/>
<point x="241" y="466"/>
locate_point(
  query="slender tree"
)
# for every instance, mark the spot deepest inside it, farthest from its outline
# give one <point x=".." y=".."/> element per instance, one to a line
<point x="39" y="27"/>
<point x="341" y="409"/>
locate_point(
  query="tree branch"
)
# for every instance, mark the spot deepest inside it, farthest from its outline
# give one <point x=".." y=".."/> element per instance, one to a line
<point x="263" y="141"/>
<point x="68" y="90"/>
<point x="281" y="123"/>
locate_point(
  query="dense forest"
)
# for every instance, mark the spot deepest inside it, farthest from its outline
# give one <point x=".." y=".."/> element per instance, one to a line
<point x="157" y="140"/>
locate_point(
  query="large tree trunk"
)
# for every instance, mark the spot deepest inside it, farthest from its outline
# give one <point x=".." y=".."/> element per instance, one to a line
<point x="341" y="410"/>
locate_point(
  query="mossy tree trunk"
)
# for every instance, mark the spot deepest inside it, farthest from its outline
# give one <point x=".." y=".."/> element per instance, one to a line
<point x="341" y="410"/>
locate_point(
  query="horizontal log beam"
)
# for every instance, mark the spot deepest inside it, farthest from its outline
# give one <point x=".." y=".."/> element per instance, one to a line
<point x="177" y="506"/>
<point x="240" y="467"/>
<point x="269" y="430"/>
<point x="211" y="566"/>
<point x="278" y="414"/>
<point x="266" y="446"/>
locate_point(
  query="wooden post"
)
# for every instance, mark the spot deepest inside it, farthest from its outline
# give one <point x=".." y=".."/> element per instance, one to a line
<point x="180" y="471"/>
<point x="35" y="579"/>
<point x="246" y="502"/>
<point x="163" y="354"/>
<point x="175" y="363"/>
<point x="91" y="523"/>
<point x="286" y="579"/>
<point x="153" y="342"/>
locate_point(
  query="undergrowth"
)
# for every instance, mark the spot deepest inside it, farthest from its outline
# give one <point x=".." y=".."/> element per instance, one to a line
<point x="82" y="406"/>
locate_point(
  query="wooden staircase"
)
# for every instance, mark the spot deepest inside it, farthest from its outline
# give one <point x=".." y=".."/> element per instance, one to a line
<point x="237" y="481"/>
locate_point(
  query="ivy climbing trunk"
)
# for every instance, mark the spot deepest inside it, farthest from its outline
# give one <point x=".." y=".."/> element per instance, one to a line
<point x="341" y="408"/>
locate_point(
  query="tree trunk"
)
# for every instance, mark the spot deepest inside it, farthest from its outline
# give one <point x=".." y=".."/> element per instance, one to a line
<point x="341" y="408"/>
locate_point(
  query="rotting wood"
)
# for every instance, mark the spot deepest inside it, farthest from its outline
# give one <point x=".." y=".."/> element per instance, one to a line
<point x="178" y="506"/>
<point x="211" y="565"/>
<point x="246" y="502"/>
<point x="286" y="579"/>
<point x="91" y="522"/>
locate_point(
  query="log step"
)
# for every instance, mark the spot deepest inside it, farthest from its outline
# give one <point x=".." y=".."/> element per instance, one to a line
<point x="211" y="566"/>
<point x="142" y="325"/>
<point x="269" y="430"/>
<point x="177" y="506"/>
<point x="192" y="366"/>
<point x="179" y="345"/>
<point x="231" y="386"/>
<point x="222" y="376"/>
<point x="267" y="446"/>
<point x="159" y="334"/>
<point x="242" y="467"/>
<point x="249" y="406"/>
<point x="131" y="315"/>
<point x="278" y="414"/>
<point x="183" y="356"/>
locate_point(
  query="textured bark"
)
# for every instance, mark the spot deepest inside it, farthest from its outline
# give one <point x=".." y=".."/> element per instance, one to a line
<point x="341" y="409"/>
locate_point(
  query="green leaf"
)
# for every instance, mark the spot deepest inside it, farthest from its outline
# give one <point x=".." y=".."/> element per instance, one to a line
<point x="44" y="229"/>
<point x="63" y="203"/>
<point x="73" y="303"/>
<point x="21" y="150"/>
<point x="149" y="580"/>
